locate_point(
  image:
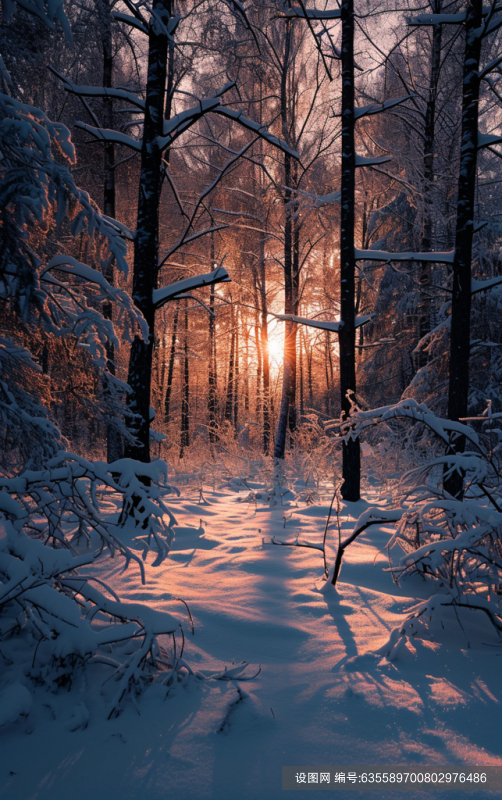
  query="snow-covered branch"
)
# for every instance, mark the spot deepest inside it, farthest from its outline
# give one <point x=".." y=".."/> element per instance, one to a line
<point x="438" y="19"/>
<point x="296" y="12"/>
<point x="134" y="22"/>
<point x="99" y="91"/>
<point x="480" y="286"/>
<point x="408" y="408"/>
<point x="239" y="117"/>
<point x="381" y="255"/>
<point x="377" y="108"/>
<point x="488" y="139"/>
<point x="107" y="135"/>
<point x="362" y="161"/>
<point x="322" y="324"/>
<point x="173" y="290"/>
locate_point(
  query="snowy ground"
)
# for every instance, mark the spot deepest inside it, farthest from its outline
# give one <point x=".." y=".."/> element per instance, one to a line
<point x="321" y="697"/>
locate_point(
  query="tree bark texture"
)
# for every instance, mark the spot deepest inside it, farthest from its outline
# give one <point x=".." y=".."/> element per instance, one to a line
<point x="170" y="371"/>
<point x="351" y="467"/>
<point x="212" y="388"/>
<point x="113" y="438"/>
<point x="264" y="347"/>
<point x="289" y="327"/>
<point x="185" y="398"/>
<point x="146" y="240"/>
<point x="458" y="387"/>
<point x="425" y="274"/>
<point x="231" y="365"/>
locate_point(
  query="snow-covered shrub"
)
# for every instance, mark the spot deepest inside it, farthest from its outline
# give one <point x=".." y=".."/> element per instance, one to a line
<point x="454" y="543"/>
<point x="52" y="527"/>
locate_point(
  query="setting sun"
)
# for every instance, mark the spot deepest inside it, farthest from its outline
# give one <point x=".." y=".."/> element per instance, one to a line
<point x="276" y="350"/>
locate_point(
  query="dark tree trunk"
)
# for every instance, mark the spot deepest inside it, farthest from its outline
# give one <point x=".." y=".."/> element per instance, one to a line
<point x="425" y="274"/>
<point x="185" y="399"/>
<point x="113" y="438"/>
<point x="169" y="5"/>
<point x="289" y="327"/>
<point x="259" y="370"/>
<point x="245" y="332"/>
<point x="212" y="389"/>
<point x="311" y="383"/>
<point x="146" y="240"/>
<point x="359" y="294"/>
<point x="300" y="356"/>
<point x="108" y="122"/>
<point x="351" y="469"/>
<point x="264" y="348"/>
<point x="236" y="374"/>
<point x="458" y="388"/>
<point x="329" y="381"/>
<point x="170" y="371"/>
<point x="295" y="292"/>
<point x="231" y="362"/>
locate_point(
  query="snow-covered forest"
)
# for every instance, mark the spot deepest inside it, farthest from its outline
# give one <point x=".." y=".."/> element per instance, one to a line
<point x="250" y="396"/>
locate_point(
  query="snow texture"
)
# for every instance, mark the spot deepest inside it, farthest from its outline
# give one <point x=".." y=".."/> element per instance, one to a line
<point x="372" y="673"/>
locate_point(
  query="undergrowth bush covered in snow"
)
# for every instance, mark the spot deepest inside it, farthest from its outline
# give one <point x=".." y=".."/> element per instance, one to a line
<point x="454" y="543"/>
<point x="53" y="527"/>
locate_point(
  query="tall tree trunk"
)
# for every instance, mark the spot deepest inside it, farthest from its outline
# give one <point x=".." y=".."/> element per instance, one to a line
<point x="310" y="379"/>
<point x="146" y="240"/>
<point x="113" y="438"/>
<point x="329" y="382"/>
<point x="245" y="333"/>
<point x="425" y="274"/>
<point x="351" y="468"/>
<point x="212" y="389"/>
<point x="231" y="361"/>
<point x="170" y="372"/>
<point x="302" y="402"/>
<point x="359" y="294"/>
<point x="458" y="387"/>
<point x="259" y="370"/>
<point x="295" y="293"/>
<point x="264" y="348"/>
<point x="185" y="399"/>
<point x="289" y="327"/>
<point x="169" y="4"/>
<point x="236" y="375"/>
